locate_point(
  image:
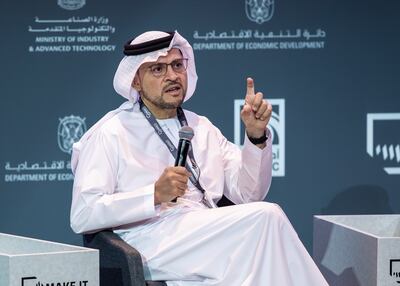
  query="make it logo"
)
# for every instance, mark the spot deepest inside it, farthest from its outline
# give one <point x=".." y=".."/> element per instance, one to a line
<point x="259" y="11"/>
<point x="383" y="140"/>
<point x="71" y="4"/>
<point x="276" y="126"/>
<point x="32" y="281"/>
<point x="70" y="130"/>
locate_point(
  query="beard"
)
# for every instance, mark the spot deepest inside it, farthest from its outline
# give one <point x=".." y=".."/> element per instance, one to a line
<point x="160" y="103"/>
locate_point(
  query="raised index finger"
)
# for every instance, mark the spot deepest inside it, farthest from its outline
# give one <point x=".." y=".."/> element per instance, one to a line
<point x="250" y="91"/>
<point x="250" y="86"/>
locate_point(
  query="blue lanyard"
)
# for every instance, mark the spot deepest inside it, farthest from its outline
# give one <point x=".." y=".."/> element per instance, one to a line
<point x="171" y="147"/>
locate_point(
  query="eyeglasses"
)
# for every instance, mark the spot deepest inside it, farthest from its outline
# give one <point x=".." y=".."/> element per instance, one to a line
<point x="160" y="69"/>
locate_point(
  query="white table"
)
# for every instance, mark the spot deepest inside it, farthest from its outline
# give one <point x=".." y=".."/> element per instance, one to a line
<point x="353" y="250"/>
<point x="32" y="262"/>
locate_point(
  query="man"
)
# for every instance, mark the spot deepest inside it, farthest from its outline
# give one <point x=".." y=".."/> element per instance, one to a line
<point x="125" y="179"/>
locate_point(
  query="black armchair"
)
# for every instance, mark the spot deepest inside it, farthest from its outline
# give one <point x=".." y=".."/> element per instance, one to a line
<point x="120" y="263"/>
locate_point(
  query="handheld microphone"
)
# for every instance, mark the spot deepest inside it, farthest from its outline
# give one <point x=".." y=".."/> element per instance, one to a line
<point x="185" y="136"/>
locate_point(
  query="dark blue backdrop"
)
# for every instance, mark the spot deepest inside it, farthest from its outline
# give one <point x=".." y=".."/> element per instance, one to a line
<point x="326" y="66"/>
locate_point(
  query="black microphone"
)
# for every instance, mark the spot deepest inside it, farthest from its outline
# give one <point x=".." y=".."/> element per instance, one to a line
<point x="185" y="135"/>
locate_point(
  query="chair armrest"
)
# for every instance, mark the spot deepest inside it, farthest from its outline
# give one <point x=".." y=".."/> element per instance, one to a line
<point x="120" y="263"/>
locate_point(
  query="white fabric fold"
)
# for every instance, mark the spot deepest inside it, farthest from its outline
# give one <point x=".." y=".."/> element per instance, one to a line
<point x="244" y="245"/>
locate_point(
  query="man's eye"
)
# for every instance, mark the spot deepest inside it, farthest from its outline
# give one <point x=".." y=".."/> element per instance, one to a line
<point x="177" y="64"/>
<point x="156" y="68"/>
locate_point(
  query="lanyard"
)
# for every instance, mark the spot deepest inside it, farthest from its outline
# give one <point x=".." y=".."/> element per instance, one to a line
<point x="171" y="147"/>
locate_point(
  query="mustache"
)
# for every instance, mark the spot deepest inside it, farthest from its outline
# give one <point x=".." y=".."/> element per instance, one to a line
<point x="172" y="83"/>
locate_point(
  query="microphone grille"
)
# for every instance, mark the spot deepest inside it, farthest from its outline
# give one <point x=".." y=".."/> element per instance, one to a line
<point x="186" y="133"/>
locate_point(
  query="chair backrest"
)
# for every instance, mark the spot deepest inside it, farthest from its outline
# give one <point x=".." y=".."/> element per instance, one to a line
<point x="120" y="263"/>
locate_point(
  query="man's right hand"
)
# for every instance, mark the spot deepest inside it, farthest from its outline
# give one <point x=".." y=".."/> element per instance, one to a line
<point x="171" y="184"/>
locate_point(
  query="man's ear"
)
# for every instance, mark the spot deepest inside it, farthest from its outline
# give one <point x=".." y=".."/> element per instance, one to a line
<point x="136" y="83"/>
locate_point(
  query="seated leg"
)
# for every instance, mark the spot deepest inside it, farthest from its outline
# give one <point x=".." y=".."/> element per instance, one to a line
<point x="248" y="244"/>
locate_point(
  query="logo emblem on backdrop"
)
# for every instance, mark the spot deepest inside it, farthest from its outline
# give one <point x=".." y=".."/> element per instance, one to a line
<point x="388" y="148"/>
<point x="70" y="130"/>
<point x="276" y="126"/>
<point x="71" y="4"/>
<point x="260" y="11"/>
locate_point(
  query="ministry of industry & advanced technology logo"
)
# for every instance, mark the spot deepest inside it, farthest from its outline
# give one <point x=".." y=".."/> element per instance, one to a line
<point x="70" y="130"/>
<point x="259" y="11"/>
<point x="383" y="140"/>
<point x="276" y="126"/>
<point x="71" y="4"/>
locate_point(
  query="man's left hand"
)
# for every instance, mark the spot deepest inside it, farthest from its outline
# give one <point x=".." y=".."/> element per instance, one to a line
<point x="256" y="112"/>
